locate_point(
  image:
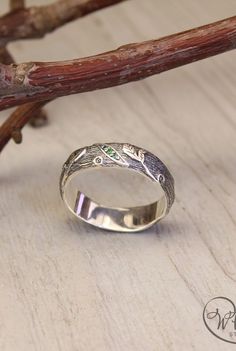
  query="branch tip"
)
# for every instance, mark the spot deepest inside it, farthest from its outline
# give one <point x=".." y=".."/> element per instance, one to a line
<point x="16" y="135"/>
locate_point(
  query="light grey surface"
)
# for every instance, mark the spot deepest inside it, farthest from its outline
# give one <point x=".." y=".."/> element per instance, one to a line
<point x="66" y="286"/>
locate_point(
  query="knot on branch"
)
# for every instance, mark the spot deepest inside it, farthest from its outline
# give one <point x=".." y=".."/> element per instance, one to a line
<point x="21" y="72"/>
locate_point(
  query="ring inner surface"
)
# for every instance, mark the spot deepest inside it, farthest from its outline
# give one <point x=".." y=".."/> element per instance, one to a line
<point x="115" y="199"/>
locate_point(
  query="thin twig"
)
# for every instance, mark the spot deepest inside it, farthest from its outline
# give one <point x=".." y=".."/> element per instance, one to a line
<point x="18" y="119"/>
<point x="36" y="21"/>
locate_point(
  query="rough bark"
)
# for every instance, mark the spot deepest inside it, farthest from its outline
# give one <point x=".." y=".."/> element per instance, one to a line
<point x="28" y="82"/>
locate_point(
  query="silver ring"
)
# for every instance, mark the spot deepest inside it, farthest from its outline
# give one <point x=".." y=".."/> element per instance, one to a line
<point x="123" y="156"/>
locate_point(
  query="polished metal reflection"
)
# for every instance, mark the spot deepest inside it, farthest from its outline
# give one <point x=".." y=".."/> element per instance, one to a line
<point x="123" y="157"/>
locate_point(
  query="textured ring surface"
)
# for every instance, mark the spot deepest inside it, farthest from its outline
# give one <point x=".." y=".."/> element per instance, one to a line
<point x="118" y="155"/>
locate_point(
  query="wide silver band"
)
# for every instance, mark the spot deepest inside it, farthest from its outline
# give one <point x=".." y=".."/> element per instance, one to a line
<point x="118" y="155"/>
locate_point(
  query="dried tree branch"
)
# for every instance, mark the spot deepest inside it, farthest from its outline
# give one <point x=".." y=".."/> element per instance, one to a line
<point x="35" y="22"/>
<point x="29" y="82"/>
<point x="45" y="81"/>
